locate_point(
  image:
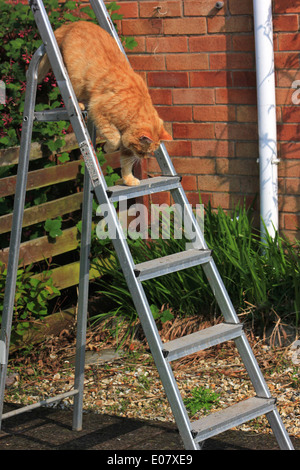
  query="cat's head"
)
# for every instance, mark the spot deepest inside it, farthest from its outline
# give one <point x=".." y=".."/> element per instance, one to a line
<point x="146" y="139"/>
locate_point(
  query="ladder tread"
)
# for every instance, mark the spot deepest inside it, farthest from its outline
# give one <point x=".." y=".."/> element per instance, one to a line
<point x="201" y="339"/>
<point x="146" y="186"/>
<point x="171" y="263"/>
<point x="56" y="114"/>
<point x="234" y="415"/>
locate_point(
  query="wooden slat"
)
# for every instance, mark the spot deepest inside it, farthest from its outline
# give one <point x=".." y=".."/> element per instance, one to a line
<point x="10" y="156"/>
<point x="41" y="248"/>
<point x="41" y="178"/>
<point x="68" y="275"/>
<point x="49" y="210"/>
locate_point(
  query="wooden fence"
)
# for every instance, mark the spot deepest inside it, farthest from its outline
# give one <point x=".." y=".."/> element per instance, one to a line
<point x="41" y="248"/>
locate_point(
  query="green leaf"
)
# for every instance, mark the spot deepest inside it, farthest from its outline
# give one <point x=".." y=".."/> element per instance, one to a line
<point x="53" y="227"/>
<point x="64" y="157"/>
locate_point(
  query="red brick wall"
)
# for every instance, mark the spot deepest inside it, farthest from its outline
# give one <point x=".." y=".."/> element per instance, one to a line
<point x="199" y="64"/>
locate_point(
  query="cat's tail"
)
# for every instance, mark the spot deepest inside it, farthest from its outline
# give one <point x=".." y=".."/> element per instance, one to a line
<point x="44" y="68"/>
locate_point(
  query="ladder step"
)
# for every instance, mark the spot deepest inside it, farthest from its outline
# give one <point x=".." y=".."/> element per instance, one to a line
<point x="171" y="263"/>
<point x="234" y="415"/>
<point x="202" y="339"/>
<point x="146" y="186"/>
<point x="57" y="114"/>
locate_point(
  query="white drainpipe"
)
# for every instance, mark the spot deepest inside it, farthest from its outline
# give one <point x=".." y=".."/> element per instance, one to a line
<point x="266" y="110"/>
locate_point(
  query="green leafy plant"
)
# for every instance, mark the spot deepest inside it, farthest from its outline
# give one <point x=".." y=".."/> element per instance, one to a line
<point x="262" y="274"/>
<point x="201" y="399"/>
<point x="31" y="300"/>
<point x="53" y="227"/>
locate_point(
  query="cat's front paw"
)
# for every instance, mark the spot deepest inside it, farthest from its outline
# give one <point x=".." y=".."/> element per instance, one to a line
<point x="131" y="180"/>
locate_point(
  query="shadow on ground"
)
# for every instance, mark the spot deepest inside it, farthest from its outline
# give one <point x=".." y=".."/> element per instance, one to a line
<point x="51" y="429"/>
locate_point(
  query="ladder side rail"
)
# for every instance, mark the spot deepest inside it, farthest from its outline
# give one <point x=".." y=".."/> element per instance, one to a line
<point x="146" y="318"/>
<point x="17" y="221"/>
<point x="105" y="21"/>
<point x="83" y="290"/>
<point x="67" y="92"/>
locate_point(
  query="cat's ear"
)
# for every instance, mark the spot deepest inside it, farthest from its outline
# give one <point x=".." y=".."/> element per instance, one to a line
<point x="164" y="135"/>
<point x="146" y="139"/>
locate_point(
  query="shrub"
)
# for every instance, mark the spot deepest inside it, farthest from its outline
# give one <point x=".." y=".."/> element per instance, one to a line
<point x="261" y="274"/>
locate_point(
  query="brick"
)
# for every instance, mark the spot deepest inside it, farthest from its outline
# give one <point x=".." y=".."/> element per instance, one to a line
<point x="287" y="60"/>
<point x="290" y="150"/>
<point x="211" y="79"/>
<point x="218" y="183"/>
<point x="167" y="44"/>
<point x="231" y="61"/>
<point x="161" y="96"/>
<point x="236" y="131"/>
<point x="282" y="6"/>
<point x="289" y="169"/>
<point x="141" y="46"/>
<point x="233" y="24"/>
<point x="220" y="42"/>
<point x="168" y="79"/>
<point x="289" y="42"/>
<point x="243" y="42"/>
<point x="193" y="131"/>
<point x="246" y="149"/>
<point x="201" y="8"/>
<point x="166" y="9"/>
<point x="235" y="96"/>
<point x="153" y="166"/>
<point x="160" y="198"/>
<point x="128" y="9"/>
<point x="284" y="95"/>
<point x="285" y="78"/>
<point x="214" y="113"/>
<point x="189" y="182"/>
<point x="291" y="114"/>
<point x="187" y="61"/>
<point x="288" y="203"/>
<point x="185" y="26"/>
<point x="292" y="185"/>
<point x="244" y="79"/>
<point x="212" y="148"/>
<point x="240" y="7"/>
<point x="291" y="221"/>
<point x="193" y="96"/>
<point x="285" y="23"/>
<point x="147" y="62"/>
<point x="194" y="165"/>
<point x="246" y="114"/>
<point x="142" y="27"/>
<point x="194" y="199"/>
<point x="221" y="200"/>
<point x="235" y="166"/>
<point x="175" y="113"/>
<point x="288" y="131"/>
<point x="179" y="148"/>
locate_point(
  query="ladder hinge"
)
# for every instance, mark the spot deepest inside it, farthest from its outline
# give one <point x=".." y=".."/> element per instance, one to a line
<point x="2" y="353"/>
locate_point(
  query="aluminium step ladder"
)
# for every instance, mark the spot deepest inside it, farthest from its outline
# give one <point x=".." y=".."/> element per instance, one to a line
<point x="192" y="433"/>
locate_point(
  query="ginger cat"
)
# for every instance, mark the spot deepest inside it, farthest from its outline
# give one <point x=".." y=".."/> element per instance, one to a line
<point x="117" y="98"/>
